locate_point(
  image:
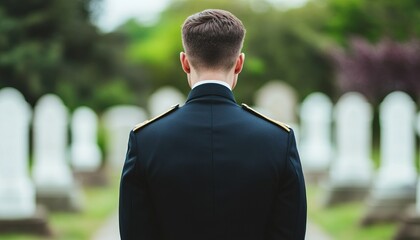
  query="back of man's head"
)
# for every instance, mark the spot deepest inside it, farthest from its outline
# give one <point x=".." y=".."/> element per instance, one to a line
<point x="213" y="39"/>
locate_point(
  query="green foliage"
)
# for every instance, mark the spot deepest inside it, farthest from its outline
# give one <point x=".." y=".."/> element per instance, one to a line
<point x="50" y="46"/>
<point x="280" y="44"/>
<point x="291" y="48"/>
<point x="374" y="20"/>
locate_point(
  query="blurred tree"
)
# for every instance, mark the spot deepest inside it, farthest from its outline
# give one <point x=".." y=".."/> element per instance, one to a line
<point x="372" y="61"/>
<point x="290" y="47"/>
<point x="280" y="44"/>
<point x="50" y="46"/>
<point x="377" y="70"/>
<point x="373" y="20"/>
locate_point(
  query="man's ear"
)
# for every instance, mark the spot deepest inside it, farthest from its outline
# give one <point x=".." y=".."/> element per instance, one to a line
<point x="239" y="63"/>
<point x="185" y="63"/>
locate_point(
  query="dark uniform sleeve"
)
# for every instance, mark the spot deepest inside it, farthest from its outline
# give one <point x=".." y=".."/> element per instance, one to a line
<point x="289" y="214"/>
<point x="135" y="208"/>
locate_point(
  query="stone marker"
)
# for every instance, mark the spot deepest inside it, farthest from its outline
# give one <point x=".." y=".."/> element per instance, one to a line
<point x="85" y="153"/>
<point x="118" y="122"/>
<point x="410" y="225"/>
<point x="417" y="211"/>
<point x="394" y="186"/>
<point x="351" y="172"/>
<point x="53" y="178"/>
<point x="409" y="228"/>
<point x="315" y="144"/>
<point x="418" y="123"/>
<point x="18" y="210"/>
<point x="165" y="97"/>
<point x="278" y="100"/>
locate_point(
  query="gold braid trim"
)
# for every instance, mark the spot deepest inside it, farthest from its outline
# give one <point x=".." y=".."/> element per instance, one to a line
<point x="140" y="125"/>
<point x="278" y="123"/>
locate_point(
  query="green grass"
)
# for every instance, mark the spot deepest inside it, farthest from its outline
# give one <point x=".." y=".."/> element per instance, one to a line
<point x="342" y="221"/>
<point x="100" y="203"/>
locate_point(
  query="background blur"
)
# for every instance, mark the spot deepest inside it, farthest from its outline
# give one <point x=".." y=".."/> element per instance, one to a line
<point x="56" y="46"/>
<point x="102" y="53"/>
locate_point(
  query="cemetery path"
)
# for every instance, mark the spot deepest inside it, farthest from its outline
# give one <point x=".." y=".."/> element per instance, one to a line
<point x="109" y="231"/>
<point x="313" y="232"/>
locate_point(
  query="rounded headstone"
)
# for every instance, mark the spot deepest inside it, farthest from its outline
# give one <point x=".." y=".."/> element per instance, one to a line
<point x="17" y="194"/>
<point x="118" y="122"/>
<point x="418" y="123"/>
<point x="315" y="144"/>
<point x="353" y="165"/>
<point x="51" y="170"/>
<point x="278" y="100"/>
<point x="165" y="97"/>
<point x="397" y="174"/>
<point x="85" y="152"/>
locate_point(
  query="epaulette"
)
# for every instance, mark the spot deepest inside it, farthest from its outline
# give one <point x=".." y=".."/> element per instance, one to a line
<point x="278" y="123"/>
<point x="140" y="125"/>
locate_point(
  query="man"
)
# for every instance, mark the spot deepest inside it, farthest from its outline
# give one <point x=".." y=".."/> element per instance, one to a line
<point x="211" y="169"/>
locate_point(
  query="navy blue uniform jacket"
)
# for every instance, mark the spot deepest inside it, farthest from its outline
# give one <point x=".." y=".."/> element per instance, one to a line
<point x="211" y="170"/>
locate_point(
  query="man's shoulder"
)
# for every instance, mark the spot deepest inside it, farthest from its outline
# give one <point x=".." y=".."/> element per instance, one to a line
<point x="141" y="125"/>
<point x="269" y="120"/>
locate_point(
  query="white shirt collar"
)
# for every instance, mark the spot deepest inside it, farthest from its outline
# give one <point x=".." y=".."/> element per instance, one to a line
<point x="211" y="81"/>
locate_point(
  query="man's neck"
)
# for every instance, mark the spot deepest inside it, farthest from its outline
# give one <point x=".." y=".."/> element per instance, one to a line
<point x="212" y="81"/>
<point x="196" y="78"/>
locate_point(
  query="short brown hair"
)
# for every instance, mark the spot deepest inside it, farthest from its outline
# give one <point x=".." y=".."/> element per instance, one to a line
<point x="213" y="39"/>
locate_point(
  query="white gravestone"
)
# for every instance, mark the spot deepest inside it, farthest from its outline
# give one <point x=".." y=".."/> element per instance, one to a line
<point x="118" y="122"/>
<point x="418" y="197"/>
<point x="315" y="144"/>
<point x="164" y="98"/>
<point x="17" y="193"/>
<point x="351" y="172"/>
<point x="418" y="182"/>
<point x="52" y="175"/>
<point x="353" y="165"/>
<point x="395" y="184"/>
<point x="397" y="171"/>
<point x="278" y="100"/>
<point x="85" y="153"/>
<point x="408" y="229"/>
<point x="418" y="123"/>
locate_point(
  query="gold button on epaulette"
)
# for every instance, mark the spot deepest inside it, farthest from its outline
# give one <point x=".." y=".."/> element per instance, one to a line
<point x="140" y="125"/>
<point x="278" y="123"/>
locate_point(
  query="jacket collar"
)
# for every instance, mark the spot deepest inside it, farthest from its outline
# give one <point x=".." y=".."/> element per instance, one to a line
<point x="211" y="89"/>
